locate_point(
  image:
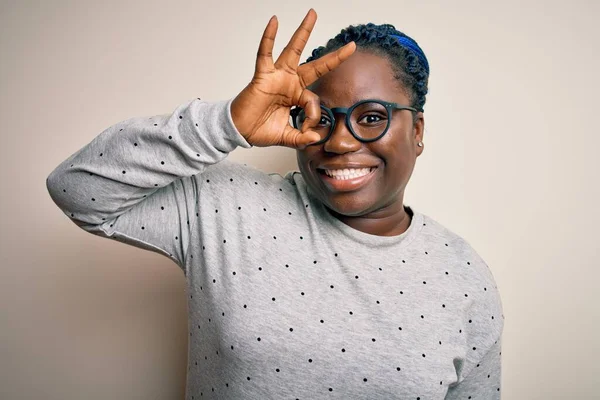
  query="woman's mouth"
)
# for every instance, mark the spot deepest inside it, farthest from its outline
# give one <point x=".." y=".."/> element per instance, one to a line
<point x="347" y="179"/>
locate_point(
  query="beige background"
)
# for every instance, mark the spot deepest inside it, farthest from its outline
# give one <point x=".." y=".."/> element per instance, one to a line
<point x="510" y="163"/>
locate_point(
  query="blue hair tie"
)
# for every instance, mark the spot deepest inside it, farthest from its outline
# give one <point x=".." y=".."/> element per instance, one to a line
<point x="411" y="45"/>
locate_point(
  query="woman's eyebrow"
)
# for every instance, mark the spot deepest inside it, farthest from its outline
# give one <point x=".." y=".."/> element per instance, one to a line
<point x="354" y="101"/>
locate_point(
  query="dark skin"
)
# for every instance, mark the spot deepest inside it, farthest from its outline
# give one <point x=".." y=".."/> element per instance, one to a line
<point x="261" y="113"/>
<point x="376" y="208"/>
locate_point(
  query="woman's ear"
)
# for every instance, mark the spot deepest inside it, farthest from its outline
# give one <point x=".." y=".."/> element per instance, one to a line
<point x="419" y="131"/>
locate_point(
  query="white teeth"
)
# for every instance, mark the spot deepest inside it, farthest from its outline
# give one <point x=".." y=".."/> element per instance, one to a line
<point x="348" y="173"/>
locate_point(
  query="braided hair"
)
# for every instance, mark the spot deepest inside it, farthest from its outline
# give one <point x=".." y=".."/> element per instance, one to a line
<point x="409" y="69"/>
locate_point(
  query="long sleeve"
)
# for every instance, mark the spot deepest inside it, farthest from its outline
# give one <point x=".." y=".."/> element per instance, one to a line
<point x="484" y="379"/>
<point x="136" y="181"/>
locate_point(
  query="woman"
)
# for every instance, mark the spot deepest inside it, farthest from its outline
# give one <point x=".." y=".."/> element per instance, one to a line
<point x="318" y="284"/>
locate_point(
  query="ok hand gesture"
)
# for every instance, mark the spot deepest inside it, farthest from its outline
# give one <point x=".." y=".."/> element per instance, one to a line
<point x="261" y="112"/>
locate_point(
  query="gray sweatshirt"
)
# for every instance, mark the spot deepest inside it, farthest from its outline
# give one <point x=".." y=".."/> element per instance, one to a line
<point x="286" y="301"/>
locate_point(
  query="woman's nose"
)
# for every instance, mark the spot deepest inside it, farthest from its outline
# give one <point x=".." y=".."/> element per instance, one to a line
<point x="341" y="140"/>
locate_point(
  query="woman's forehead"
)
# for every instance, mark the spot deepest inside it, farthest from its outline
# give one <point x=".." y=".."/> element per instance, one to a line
<point x="364" y="75"/>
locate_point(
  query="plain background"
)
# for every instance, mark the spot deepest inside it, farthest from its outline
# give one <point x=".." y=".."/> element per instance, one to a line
<point x="510" y="164"/>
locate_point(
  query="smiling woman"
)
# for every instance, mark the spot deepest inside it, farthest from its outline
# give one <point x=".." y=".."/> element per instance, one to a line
<point x="374" y="203"/>
<point x="318" y="284"/>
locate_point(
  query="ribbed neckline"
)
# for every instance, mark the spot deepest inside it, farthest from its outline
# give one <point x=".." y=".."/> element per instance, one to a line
<point x="401" y="240"/>
<point x="357" y="236"/>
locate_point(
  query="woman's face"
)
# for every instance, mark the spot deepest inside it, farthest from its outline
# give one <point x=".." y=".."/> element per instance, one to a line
<point x="380" y="193"/>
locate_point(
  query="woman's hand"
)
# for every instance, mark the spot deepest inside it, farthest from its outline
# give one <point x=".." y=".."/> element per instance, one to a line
<point x="261" y="112"/>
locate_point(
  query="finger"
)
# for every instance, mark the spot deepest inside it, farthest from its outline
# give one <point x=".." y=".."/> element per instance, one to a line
<point x="290" y="56"/>
<point x="264" y="57"/>
<point x="311" y="104"/>
<point x="315" y="69"/>
<point x="297" y="140"/>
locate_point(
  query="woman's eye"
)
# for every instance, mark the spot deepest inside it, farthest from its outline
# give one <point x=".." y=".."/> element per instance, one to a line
<point x="324" y="121"/>
<point x="371" y="119"/>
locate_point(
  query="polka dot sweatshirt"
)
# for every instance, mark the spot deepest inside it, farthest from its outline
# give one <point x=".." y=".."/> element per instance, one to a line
<point x="286" y="301"/>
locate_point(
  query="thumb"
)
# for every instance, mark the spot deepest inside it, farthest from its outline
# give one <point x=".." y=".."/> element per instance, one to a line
<point x="295" y="139"/>
<point x="305" y="139"/>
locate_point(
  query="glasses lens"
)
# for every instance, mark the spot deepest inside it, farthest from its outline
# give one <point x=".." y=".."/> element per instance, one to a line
<point x="369" y="120"/>
<point x="322" y="128"/>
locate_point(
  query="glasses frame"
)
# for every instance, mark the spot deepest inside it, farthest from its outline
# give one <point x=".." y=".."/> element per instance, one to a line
<point x="390" y="107"/>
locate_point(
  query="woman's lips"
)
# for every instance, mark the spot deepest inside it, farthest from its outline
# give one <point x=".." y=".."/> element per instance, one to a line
<point x="345" y="185"/>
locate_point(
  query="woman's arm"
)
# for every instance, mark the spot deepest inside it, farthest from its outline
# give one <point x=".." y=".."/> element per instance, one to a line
<point x="135" y="181"/>
<point x="484" y="379"/>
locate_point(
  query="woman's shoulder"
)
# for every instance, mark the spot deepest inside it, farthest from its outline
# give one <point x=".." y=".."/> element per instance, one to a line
<point x="474" y="273"/>
<point x="476" y="270"/>
<point x="435" y="231"/>
<point x="455" y="243"/>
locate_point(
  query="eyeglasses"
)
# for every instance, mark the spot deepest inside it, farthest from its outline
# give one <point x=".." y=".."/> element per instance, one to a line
<point x="367" y="120"/>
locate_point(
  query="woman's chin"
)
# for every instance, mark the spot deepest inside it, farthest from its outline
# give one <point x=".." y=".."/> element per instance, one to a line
<point x="345" y="209"/>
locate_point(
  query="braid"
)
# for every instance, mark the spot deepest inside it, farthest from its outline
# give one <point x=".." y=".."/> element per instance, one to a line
<point x="412" y="73"/>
